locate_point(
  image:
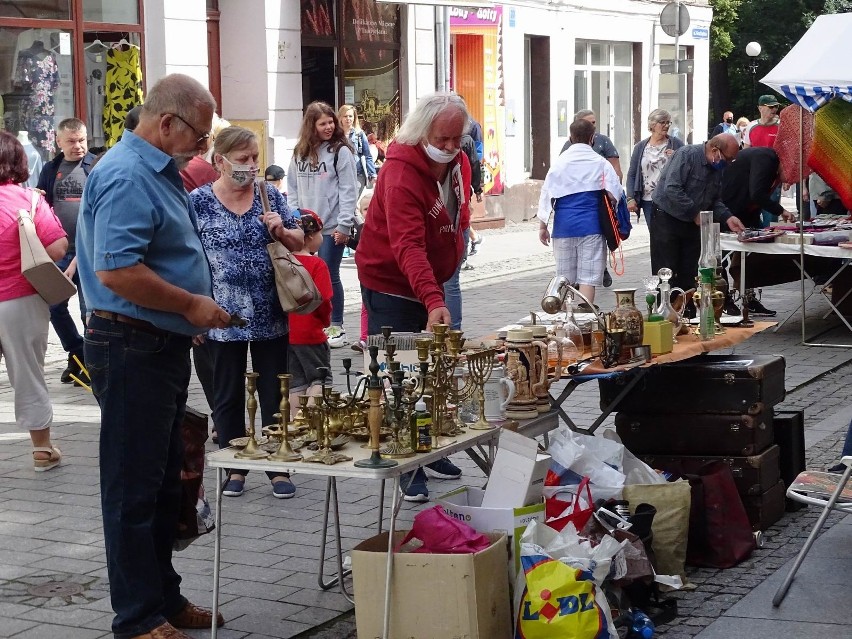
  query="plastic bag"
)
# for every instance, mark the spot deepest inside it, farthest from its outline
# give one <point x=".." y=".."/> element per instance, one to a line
<point x="440" y="534"/>
<point x="558" y="594"/>
<point x="577" y="511"/>
<point x="575" y="456"/>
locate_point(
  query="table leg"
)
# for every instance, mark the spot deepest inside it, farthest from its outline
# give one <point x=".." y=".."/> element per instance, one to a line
<point x="570" y="387"/>
<point x="802" y="304"/>
<point x="396" y="503"/>
<point x="480" y="459"/>
<point x="331" y="501"/>
<point x="638" y="374"/>
<point x="217" y="550"/>
<point x="381" y="507"/>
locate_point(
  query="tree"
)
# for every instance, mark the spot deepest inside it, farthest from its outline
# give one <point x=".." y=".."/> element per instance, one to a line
<point x="776" y="24"/>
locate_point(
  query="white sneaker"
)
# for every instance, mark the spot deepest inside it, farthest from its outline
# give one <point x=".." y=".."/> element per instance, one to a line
<point x="336" y="336"/>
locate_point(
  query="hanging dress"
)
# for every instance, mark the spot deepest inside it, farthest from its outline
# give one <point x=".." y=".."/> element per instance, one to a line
<point x="122" y="90"/>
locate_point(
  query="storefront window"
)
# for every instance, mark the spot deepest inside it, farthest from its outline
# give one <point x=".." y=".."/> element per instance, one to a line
<point x="317" y="18"/>
<point x="373" y="87"/>
<point x="42" y="9"/>
<point x="36" y="83"/>
<point x="114" y="11"/>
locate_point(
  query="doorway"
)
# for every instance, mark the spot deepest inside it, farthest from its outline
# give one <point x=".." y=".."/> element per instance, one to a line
<point x="537" y="105"/>
<point x="319" y="77"/>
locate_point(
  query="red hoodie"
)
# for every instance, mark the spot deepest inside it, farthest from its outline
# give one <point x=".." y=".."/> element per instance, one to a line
<point x="410" y="244"/>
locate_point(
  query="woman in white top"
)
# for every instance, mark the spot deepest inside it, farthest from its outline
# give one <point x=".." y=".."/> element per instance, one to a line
<point x="647" y="161"/>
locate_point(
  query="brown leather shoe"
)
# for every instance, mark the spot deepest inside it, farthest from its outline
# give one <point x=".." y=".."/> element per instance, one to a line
<point x="196" y="617"/>
<point x="164" y="631"/>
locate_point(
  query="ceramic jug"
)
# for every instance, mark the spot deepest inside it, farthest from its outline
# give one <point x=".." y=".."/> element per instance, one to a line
<point x="499" y="391"/>
<point x="526" y="366"/>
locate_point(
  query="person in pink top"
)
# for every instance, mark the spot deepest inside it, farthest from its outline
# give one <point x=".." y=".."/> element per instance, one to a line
<point x="24" y="315"/>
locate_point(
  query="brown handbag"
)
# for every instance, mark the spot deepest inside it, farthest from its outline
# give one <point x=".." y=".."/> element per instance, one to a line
<point x="46" y="278"/>
<point x="297" y="292"/>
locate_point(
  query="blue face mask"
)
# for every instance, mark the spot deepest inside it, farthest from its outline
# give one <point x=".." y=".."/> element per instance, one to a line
<point x="719" y="164"/>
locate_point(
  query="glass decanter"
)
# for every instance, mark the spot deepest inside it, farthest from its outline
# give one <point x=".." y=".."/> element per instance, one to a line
<point x="650" y="284"/>
<point x="572" y="330"/>
<point x="665" y="309"/>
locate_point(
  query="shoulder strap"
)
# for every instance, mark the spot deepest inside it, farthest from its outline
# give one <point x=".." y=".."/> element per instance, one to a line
<point x="34" y="195"/>
<point x="264" y="197"/>
<point x="334" y="164"/>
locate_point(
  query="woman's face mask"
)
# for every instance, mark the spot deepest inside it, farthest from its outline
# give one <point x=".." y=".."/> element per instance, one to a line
<point x="439" y="155"/>
<point x="241" y="174"/>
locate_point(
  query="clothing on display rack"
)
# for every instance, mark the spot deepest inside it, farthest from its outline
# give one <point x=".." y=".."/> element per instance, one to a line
<point x="122" y="90"/>
<point x="95" y="61"/>
<point x="37" y="73"/>
<point x="34" y="159"/>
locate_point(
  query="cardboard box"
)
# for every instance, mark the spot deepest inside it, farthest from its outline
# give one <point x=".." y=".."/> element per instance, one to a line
<point x="432" y="596"/>
<point x="517" y="476"/>
<point x="465" y="504"/>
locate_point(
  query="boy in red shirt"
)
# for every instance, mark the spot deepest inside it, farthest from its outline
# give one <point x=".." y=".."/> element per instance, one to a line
<point x="309" y="349"/>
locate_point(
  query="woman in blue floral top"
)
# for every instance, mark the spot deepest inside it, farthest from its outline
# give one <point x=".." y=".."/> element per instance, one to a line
<point x="235" y="232"/>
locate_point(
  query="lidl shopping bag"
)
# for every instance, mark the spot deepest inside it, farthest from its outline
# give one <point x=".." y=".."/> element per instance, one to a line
<point x="559" y="592"/>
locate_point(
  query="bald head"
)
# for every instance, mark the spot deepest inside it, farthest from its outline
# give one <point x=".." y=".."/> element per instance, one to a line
<point x="724" y="144"/>
<point x="177" y="93"/>
<point x="177" y="116"/>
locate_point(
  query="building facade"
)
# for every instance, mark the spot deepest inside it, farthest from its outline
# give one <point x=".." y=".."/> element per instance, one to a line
<point x="524" y="67"/>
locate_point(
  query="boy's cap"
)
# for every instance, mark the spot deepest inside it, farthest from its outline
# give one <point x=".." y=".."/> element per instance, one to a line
<point x="274" y="172"/>
<point x="310" y="221"/>
<point x="768" y="100"/>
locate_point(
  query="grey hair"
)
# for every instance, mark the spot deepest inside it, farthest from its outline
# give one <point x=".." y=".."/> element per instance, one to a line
<point x="419" y="121"/>
<point x="658" y="115"/>
<point x="179" y="94"/>
<point x="583" y="113"/>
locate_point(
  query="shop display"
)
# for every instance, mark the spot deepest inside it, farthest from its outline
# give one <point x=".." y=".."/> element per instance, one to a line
<point x="37" y="77"/>
<point x="417" y="410"/>
<point x="122" y="90"/>
<point x="665" y="310"/>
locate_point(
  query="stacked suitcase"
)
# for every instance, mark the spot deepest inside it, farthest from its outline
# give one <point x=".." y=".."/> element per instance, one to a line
<point x="713" y="407"/>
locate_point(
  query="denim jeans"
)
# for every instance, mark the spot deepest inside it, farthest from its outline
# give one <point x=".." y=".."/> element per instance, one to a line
<point x="402" y="315"/>
<point x="268" y="359"/>
<point x="847" y="444"/>
<point x="332" y="254"/>
<point x="60" y="317"/>
<point x="452" y="290"/>
<point x="140" y="380"/>
<point x="647" y="207"/>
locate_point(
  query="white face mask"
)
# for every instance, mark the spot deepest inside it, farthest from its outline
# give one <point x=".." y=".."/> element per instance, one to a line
<point x="242" y="174"/>
<point x="440" y="156"/>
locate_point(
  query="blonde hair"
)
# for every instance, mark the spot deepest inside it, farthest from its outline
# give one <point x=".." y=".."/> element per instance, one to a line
<point x="342" y="111"/>
<point x="742" y="121"/>
<point x="233" y="137"/>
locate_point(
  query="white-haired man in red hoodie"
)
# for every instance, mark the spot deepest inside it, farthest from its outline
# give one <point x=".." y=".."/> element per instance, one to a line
<point x="412" y="241"/>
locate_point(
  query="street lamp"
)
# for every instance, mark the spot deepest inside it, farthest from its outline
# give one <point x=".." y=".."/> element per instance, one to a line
<point x="752" y="51"/>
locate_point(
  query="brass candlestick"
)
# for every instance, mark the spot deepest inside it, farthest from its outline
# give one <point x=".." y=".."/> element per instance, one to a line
<point x="252" y="450"/>
<point x="396" y="409"/>
<point x="479" y="366"/>
<point x="285" y="452"/>
<point x="375" y="390"/>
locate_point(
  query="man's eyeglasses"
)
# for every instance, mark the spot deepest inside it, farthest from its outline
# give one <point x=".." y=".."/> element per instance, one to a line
<point x="202" y="137"/>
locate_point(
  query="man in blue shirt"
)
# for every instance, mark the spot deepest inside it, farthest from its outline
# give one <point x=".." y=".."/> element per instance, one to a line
<point x="147" y="281"/>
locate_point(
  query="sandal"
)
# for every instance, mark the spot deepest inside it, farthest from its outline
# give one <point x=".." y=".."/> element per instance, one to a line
<point x="41" y="465"/>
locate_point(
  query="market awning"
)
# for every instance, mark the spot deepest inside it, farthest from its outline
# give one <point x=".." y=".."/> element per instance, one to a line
<point x="817" y="69"/>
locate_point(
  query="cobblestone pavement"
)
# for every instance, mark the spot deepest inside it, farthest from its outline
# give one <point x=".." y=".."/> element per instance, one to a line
<point x="52" y="566"/>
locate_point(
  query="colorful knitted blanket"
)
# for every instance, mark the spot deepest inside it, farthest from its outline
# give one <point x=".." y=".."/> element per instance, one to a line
<point x="794" y="142"/>
<point x="831" y="155"/>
